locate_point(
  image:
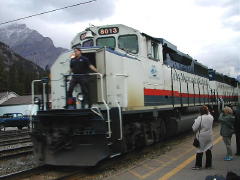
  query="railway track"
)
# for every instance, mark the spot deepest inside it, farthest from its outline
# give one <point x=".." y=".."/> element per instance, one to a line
<point x="13" y="143"/>
<point x="15" y="140"/>
<point x="13" y="133"/>
<point x="47" y="173"/>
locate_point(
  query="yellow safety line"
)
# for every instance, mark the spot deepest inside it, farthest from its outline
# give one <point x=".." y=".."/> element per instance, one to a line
<point x="136" y="174"/>
<point x="164" y="164"/>
<point x="184" y="164"/>
<point x="151" y="172"/>
<point x="147" y="166"/>
<point x="161" y="167"/>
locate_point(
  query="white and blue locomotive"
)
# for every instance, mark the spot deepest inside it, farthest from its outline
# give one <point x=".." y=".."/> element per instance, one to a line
<point x="149" y="91"/>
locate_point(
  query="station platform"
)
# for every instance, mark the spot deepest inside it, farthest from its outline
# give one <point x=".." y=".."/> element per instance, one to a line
<point x="177" y="163"/>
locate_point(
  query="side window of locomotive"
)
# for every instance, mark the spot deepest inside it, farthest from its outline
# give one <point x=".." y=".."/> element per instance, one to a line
<point x="128" y="43"/>
<point x="154" y="51"/>
<point x="88" y="43"/>
<point x="109" y="42"/>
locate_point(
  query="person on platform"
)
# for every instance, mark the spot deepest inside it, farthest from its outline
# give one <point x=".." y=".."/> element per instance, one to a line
<point x="203" y="129"/>
<point x="227" y="120"/>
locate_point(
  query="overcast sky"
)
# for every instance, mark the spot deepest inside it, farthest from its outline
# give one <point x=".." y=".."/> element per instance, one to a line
<point x="207" y="30"/>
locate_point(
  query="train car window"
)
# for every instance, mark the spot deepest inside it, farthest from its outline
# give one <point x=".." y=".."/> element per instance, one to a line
<point x="228" y="80"/>
<point x="234" y="82"/>
<point x="154" y="50"/>
<point x="109" y="42"/>
<point x="219" y="77"/>
<point x="128" y="43"/>
<point x="166" y="50"/>
<point x="88" y="43"/>
<point x="211" y="74"/>
<point x="186" y="61"/>
<point x="200" y="70"/>
<point x="175" y="57"/>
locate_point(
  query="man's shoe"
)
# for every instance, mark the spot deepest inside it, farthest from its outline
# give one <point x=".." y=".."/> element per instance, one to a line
<point x="196" y="168"/>
<point x="209" y="167"/>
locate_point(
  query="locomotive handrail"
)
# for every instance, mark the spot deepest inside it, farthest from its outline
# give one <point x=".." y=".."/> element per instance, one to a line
<point x="33" y="82"/>
<point x="119" y="110"/>
<point x="120" y="119"/>
<point x="44" y="92"/>
<point x="44" y="97"/>
<point x="124" y="75"/>
<point x="102" y="98"/>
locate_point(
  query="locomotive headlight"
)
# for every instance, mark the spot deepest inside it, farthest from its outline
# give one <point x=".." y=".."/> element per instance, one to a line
<point x="89" y="35"/>
<point x="80" y="97"/>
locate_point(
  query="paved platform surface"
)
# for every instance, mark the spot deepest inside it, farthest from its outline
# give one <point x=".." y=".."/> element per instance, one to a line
<point x="176" y="164"/>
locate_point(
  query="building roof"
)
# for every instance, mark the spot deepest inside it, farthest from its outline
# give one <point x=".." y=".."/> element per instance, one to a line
<point x="19" y="100"/>
<point x="4" y="94"/>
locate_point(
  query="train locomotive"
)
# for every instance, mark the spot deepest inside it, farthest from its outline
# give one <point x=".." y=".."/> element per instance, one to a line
<point x="146" y="90"/>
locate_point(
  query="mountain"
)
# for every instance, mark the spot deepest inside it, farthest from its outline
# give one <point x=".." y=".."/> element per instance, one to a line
<point x="17" y="73"/>
<point x="30" y="44"/>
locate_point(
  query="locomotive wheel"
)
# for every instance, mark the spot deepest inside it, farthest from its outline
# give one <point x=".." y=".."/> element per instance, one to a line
<point x="2" y="127"/>
<point x="19" y="127"/>
<point x="171" y="126"/>
<point x="139" y="141"/>
<point x="163" y="130"/>
<point x="128" y="139"/>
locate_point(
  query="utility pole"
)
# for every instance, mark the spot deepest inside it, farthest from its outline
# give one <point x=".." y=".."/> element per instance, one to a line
<point x="36" y="63"/>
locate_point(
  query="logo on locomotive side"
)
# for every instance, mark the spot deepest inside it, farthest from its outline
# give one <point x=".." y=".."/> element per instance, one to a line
<point x="177" y="76"/>
<point x="153" y="71"/>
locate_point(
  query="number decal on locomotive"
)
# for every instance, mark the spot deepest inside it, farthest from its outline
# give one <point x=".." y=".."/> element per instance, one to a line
<point x="109" y="30"/>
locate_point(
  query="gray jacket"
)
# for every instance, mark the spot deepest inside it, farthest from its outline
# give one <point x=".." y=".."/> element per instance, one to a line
<point x="227" y="124"/>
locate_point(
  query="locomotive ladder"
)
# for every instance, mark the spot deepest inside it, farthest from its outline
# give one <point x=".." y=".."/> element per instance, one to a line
<point x="109" y="133"/>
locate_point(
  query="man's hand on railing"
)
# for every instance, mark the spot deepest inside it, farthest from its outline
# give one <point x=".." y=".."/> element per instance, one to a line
<point x="103" y="76"/>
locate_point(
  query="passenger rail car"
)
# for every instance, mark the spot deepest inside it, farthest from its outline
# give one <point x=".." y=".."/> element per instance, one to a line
<point x="146" y="90"/>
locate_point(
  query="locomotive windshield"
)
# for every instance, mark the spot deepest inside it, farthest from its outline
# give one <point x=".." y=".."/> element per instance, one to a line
<point x="128" y="43"/>
<point x="87" y="43"/>
<point x="109" y="42"/>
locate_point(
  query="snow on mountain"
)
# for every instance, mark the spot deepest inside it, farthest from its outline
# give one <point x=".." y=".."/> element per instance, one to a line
<point x="30" y="44"/>
<point x="14" y="33"/>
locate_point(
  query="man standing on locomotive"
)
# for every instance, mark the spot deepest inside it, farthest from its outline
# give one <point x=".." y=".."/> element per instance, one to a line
<point x="80" y="65"/>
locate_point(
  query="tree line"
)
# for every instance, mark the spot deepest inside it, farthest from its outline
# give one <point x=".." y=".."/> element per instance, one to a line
<point x="17" y="73"/>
